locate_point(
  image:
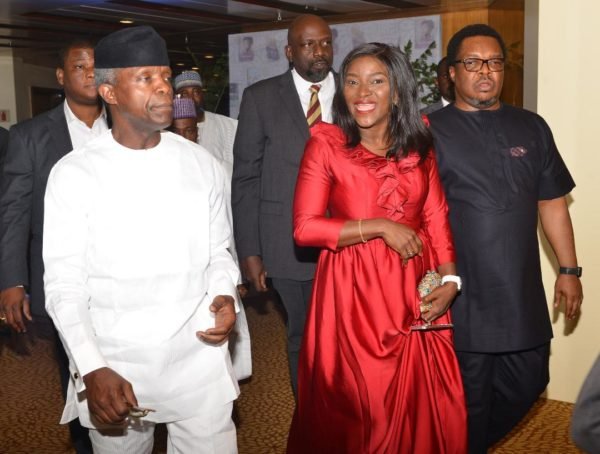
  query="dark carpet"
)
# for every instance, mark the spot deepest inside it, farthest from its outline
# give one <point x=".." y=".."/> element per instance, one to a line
<point x="31" y="405"/>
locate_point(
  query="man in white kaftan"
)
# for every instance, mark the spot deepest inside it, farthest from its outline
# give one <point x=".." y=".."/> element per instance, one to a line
<point x="139" y="281"/>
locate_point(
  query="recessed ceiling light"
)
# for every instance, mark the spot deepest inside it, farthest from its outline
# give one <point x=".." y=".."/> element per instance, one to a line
<point x="126" y="21"/>
<point x="209" y="56"/>
<point x="195" y="68"/>
<point x="180" y="64"/>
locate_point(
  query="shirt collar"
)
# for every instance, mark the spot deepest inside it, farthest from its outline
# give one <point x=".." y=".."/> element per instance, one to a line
<point x="71" y="117"/>
<point x="305" y="85"/>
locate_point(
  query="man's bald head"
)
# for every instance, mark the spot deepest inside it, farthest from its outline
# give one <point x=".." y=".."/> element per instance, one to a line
<point x="301" y="21"/>
<point x="309" y="47"/>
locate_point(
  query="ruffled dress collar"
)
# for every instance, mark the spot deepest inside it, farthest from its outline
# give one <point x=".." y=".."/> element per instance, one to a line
<point x="397" y="177"/>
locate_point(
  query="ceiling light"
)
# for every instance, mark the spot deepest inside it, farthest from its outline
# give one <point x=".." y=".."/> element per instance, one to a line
<point x="209" y="56"/>
<point x="126" y="21"/>
<point x="180" y="64"/>
<point x="195" y="68"/>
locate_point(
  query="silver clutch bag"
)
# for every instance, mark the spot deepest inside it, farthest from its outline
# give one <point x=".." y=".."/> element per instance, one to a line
<point x="430" y="281"/>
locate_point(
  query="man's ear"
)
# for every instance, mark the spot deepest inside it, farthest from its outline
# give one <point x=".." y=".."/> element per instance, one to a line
<point x="288" y="52"/>
<point x="107" y="92"/>
<point x="60" y="76"/>
<point x="452" y="73"/>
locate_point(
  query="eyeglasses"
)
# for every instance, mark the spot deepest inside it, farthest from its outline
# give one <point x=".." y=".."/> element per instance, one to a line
<point x="475" y="64"/>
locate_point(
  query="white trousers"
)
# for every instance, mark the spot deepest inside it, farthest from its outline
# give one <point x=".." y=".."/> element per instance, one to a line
<point x="208" y="433"/>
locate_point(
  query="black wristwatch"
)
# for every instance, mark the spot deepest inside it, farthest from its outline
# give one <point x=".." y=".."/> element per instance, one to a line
<point x="576" y="271"/>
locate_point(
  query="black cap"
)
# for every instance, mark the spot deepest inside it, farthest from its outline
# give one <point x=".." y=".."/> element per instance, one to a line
<point x="131" y="47"/>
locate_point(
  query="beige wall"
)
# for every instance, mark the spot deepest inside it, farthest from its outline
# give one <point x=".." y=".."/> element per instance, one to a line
<point x="27" y="76"/>
<point x="16" y="80"/>
<point x="568" y="98"/>
<point x="7" y="92"/>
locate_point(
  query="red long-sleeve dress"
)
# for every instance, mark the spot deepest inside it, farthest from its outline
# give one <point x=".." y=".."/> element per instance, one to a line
<point x="366" y="383"/>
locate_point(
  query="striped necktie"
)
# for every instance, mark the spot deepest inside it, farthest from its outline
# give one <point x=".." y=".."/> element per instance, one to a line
<point x="313" y="115"/>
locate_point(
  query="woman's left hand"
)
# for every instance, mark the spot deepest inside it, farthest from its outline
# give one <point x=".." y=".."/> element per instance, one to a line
<point x="440" y="300"/>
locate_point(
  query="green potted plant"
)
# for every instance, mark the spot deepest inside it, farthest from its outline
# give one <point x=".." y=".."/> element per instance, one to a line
<point x="425" y="73"/>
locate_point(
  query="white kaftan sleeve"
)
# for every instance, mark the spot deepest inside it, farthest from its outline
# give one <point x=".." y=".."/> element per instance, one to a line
<point x="223" y="273"/>
<point x="65" y="244"/>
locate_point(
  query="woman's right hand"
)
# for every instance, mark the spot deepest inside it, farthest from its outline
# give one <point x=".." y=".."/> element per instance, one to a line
<point x="402" y="239"/>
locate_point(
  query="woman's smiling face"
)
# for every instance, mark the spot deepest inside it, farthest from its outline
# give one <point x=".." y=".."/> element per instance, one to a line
<point x="367" y="93"/>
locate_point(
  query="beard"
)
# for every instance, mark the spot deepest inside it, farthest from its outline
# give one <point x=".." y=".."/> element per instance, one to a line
<point x="317" y="75"/>
<point x="482" y="103"/>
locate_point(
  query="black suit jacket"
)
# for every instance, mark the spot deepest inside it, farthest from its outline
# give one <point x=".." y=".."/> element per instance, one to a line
<point x="34" y="147"/>
<point x="432" y="108"/>
<point x="3" y="148"/>
<point x="271" y="134"/>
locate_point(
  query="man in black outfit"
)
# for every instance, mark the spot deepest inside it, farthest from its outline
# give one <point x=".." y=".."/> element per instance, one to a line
<point x="34" y="147"/>
<point x="501" y="170"/>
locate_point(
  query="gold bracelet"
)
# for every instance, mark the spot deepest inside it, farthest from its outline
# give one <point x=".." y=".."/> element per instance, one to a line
<point x="360" y="231"/>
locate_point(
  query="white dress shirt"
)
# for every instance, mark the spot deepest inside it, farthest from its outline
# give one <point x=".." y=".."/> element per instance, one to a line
<point x="325" y="94"/>
<point x="80" y="132"/>
<point x="135" y="250"/>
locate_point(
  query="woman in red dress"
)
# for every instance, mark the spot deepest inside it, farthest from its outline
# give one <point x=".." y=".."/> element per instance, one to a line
<point x="369" y="194"/>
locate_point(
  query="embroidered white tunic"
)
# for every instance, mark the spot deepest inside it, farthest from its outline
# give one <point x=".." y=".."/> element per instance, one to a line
<point x="135" y="250"/>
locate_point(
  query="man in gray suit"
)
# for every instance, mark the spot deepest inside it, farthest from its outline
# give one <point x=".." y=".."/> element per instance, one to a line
<point x="34" y="146"/>
<point x="272" y="131"/>
<point x="445" y="86"/>
<point x="585" y="426"/>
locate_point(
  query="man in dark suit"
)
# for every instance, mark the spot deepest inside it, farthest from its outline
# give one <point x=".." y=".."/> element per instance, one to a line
<point x="272" y="131"/>
<point x="3" y="149"/>
<point x="3" y="145"/>
<point x="34" y="146"/>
